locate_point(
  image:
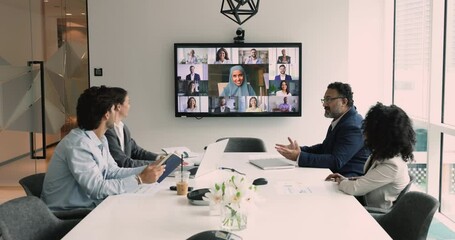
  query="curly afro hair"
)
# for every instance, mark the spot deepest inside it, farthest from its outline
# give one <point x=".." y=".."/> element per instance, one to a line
<point x="389" y="133"/>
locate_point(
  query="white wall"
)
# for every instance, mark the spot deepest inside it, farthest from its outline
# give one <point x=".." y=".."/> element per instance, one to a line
<point x="133" y="42"/>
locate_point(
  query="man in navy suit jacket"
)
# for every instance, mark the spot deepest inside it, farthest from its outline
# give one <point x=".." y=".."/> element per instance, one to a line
<point x="193" y="75"/>
<point x="343" y="148"/>
<point x="282" y="75"/>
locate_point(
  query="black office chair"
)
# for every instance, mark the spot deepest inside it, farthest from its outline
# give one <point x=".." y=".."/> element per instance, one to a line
<point x="28" y="218"/>
<point x="410" y="219"/>
<point x="381" y="211"/>
<point x="33" y="186"/>
<point x="244" y="144"/>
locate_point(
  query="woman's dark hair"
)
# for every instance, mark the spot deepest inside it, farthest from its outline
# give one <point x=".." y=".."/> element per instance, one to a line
<point x="92" y="104"/>
<point x="189" y="101"/>
<point x="344" y="90"/>
<point x="225" y="54"/>
<point x="189" y="89"/>
<point x="388" y="132"/>
<point x="119" y="95"/>
<point x="249" y="102"/>
<point x="287" y="89"/>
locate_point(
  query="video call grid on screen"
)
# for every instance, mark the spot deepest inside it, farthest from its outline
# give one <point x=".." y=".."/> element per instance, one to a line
<point x="202" y="74"/>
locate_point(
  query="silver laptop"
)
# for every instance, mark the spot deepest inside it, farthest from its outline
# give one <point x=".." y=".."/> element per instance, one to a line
<point x="210" y="160"/>
<point x="271" y="163"/>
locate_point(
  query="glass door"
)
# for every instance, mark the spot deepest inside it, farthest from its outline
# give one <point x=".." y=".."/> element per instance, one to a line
<point x="43" y="69"/>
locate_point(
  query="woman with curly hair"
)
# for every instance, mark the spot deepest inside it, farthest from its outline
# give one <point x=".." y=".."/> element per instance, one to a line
<point x="222" y="57"/>
<point x="388" y="132"/>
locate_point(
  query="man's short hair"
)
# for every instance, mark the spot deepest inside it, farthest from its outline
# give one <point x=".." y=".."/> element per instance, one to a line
<point x="344" y="90"/>
<point x="92" y="104"/>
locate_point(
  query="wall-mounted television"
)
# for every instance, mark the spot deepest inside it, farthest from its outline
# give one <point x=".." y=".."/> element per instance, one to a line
<point x="235" y="80"/>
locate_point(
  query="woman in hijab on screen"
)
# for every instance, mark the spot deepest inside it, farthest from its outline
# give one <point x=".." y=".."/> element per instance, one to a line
<point x="238" y="84"/>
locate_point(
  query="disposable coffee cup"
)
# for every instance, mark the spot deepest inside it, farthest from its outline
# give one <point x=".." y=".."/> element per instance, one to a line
<point x="181" y="182"/>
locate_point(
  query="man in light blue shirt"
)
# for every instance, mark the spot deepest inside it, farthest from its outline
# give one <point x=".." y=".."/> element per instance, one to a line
<point x="253" y="58"/>
<point x="82" y="172"/>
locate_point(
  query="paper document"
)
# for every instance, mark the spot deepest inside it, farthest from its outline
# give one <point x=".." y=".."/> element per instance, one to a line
<point x="293" y="188"/>
<point x="151" y="189"/>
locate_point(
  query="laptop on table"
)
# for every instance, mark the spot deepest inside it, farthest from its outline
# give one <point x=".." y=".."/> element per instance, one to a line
<point x="210" y="160"/>
<point x="272" y="163"/>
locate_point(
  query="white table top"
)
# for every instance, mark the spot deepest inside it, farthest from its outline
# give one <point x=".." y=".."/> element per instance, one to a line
<point x="322" y="213"/>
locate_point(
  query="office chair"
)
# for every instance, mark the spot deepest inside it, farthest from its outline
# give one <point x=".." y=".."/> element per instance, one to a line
<point x="380" y="211"/>
<point x="410" y="219"/>
<point x="33" y="186"/>
<point x="244" y="144"/>
<point x="28" y="218"/>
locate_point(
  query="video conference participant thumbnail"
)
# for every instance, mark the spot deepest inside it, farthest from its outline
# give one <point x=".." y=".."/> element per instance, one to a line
<point x="253" y="56"/>
<point x="283" y="104"/>
<point x="237" y="80"/>
<point x="224" y="104"/>
<point x="192" y="55"/>
<point x="192" y="104"/>
<point x="238" y="83"/>
<point x="192" y="80"/>
<point x="282" y="74"/>
<point x="284" y="58"/>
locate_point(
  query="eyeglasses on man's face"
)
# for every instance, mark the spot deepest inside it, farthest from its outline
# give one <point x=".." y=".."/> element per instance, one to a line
<point x="330" y="99"/>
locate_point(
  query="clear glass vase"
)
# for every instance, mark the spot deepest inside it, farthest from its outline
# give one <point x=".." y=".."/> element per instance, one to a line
<point x="233" y="218"/>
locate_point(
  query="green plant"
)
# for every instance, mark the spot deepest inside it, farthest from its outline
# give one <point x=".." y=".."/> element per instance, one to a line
<point x="272" y="89"/>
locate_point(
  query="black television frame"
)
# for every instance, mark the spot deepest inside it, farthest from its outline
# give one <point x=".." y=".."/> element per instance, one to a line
<point x="243" y="46"/>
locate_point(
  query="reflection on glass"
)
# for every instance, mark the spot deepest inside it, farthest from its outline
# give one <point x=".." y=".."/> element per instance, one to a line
<point x="412" y="56"/>
<point x="448" y="177"/>
<point x="449" y="83"/>
<point x="418" y="168"/>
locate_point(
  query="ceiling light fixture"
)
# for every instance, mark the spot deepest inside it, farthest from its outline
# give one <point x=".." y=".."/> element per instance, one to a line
<point x="239" y="11"/>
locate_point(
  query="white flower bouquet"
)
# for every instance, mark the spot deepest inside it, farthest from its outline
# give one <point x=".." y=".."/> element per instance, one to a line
<point x="235" y="197"/>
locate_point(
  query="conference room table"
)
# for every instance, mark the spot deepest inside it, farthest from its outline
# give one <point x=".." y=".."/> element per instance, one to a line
<point x="295" y="204"/>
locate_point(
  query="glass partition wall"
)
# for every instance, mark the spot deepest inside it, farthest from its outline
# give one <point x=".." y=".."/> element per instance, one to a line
<point x="43" y="69"/>
<point x="424" y="83"/>
<point x="448" y="117"/>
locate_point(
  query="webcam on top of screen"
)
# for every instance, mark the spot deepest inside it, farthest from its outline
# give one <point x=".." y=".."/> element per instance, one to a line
<point x="240" y="38"/>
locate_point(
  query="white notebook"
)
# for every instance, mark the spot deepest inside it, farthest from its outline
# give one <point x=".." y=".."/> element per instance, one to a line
<point x="271" y="163"/>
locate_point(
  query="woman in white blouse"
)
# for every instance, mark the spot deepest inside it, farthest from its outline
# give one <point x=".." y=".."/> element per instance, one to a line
<point x="389" y="134"/>
<point x="191" y="105"/>
<point x="284" y="89"/>
<point x="253" y="105"/>
<point x="222" y="57"/>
